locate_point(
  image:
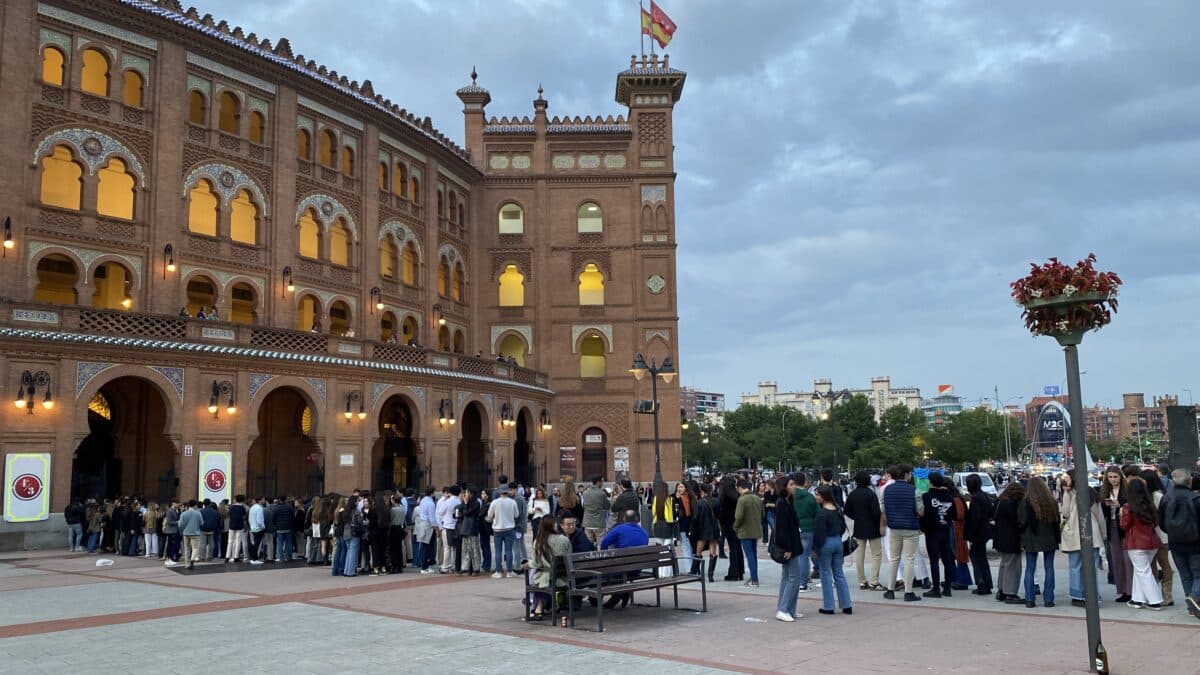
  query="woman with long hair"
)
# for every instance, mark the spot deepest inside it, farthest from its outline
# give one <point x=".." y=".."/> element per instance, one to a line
<point x="1112" y="498"/>
<point x="150" y="521"/>
<point x="548" y="545"/>
<point x="683" y="503"/>
<point x="727" y="497"/>
<point x="1007" y="542"/>
<point x="706" y="531"/>
<point x="538" y="508"/>
<point x="469" y="516"/>
<point x="339" y="524"/>
<point x="312" y="525"/>
<point x="786" y="538"/>
<point x="1161" y="565"/>
<point x="828" y="529"/>
<point x="570" y="503"/>
<point x="1070" y="534"/>
<point x="1138" y="520"/>
<point x="1039" y="519"/>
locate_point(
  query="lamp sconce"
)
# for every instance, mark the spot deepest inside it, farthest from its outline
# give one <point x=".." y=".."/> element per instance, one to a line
<point x="506" y="416"/>
<point x="439" y="315"/>
<point x="376" y="299"/>
<point x="546" y="426"/>
<point x="683" y="424"/>
<point x="168" y="259"/>
<point x="8" y="240"/>
<point x="351" y="398"/>
<point x="445" y="412"/>
<point x="219" y="389"/>
<point x="127" y="301"/>
<point x="288" y="285"/>
<point x="29" y="382"/>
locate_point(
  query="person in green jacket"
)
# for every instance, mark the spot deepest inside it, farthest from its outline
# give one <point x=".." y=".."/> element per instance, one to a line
<point x="806" y="512"/>
<point x="747" y="523"/>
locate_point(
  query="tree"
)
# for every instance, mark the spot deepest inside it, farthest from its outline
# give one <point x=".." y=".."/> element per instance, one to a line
<point x="898" y="424"/>
<point x="972" y="436"/>
<point x="884" y="452"/>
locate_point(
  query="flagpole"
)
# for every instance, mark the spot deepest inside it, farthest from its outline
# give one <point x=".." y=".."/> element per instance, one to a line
<point x="641" y="31"/>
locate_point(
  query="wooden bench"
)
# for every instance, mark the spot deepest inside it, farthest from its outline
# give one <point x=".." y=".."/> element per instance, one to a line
<point x="596" y="574"/>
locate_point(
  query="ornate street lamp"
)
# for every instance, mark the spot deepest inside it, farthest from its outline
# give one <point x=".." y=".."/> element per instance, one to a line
<point x="666" y="371"/>
<point x="833" y="397"/>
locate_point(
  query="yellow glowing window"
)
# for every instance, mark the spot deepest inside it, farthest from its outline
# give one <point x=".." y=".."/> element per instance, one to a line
<point x="590" y="219"/>
<point x="242" y="304"/>
<point x="512" y="219"/>
<point x="197" y="108"/>
<point x="132" y="88"/>
<point x="112" y="283"/>
<point x="53" y="67"/>
<point x="513" y="346"/>
<point x="61" y="179"/>
<point x="302" y="143"/>
<point x="591" y="357"/>
<point x="409" y="270"/>
<point x="591" y="285"/>
<point x="258" y="126"/>
<point x="347" y="161"/>
<point x="415" y="194"/>
<point x="202" y="209"/>
<point x="400" y="181"/>
<point x="94" y="76"/>
<point x="307" y="313"/>
<point x="114" y="192"/>
<point x="443" y="277"/>
<point x="56" y="277"/>
<point x="408" y="329"/>
<point x="387" y="258"/>
<point x="456" y="287"/>
<point x="310" y="236"/>
<point x="512" y="287"/>
<point x="387" y="326"/>
<point x="383" y="181"/>
<point x="201" y="294"/>
<point x="328" y="148"/>
<point x="228" y="114"/>
<point x="339" y="318"/>
<point x="339" y="243"/>
<point x="243" y="219"/>
<point x="443" y="339"/>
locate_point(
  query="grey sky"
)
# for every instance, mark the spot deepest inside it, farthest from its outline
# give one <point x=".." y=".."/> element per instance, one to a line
<point x="860" y="181"/>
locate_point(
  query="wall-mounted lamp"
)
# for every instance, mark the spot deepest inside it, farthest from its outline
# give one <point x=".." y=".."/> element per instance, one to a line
<point x="222" y="388"/>
<point x="439" y="315"/>
<point x="376" y="299"/>
<point x="29" y="383"/>
<point x="288" y="285"/>
<point x="168" y="259"/>
<point x="683" y="420"/>
<point x="506" y="416"/>
<point x="546" y="426"/>
<point x="354" y="397"/>
<point x="445" y="412"/>
<point x="8" y="240"/>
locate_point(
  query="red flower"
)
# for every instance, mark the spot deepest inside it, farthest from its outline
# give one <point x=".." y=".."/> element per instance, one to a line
<point x="1096" y="291"/>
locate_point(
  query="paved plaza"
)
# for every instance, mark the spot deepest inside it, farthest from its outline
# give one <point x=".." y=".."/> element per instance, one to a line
<point x="60" y="612"/>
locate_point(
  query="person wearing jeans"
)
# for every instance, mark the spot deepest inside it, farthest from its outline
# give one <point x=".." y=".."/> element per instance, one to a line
<point x="1038" y="518"/>
<point x="787" y="540"/>
<point x="805" y="506"/>
<point x="74" y="514"/>
<point x="257" y="523"/>
<point x="827" y="538"/>
<point x="1185" y="553"/>
<point x="502" y="514"/>
<point x="747" y="523"/>
<point x="352" y="538"/>
<point x="1071" y="540"/>
<point x="237" y="530"/>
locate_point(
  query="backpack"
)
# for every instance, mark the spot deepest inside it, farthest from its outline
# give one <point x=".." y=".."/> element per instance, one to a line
<point x="1180" y="521"/>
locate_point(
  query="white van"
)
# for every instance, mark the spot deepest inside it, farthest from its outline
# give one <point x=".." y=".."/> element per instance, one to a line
<point x="960" y="482"/>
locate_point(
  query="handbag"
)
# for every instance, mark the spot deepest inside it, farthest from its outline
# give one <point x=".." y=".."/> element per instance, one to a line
<point x="777" y="554"/>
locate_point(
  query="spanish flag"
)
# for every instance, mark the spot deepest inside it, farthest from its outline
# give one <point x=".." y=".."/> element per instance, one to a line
<point x="657" y="25"/>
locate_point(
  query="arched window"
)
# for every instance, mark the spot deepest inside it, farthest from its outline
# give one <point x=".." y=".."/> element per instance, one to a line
<point x="591" y="285"/>
<point x="591" y="356"/>
<point x="243" y="219"/>
<point x="53" y="66"/>
<point x="133" y="86"/>
<point x="387" y="257"/>
<point x="512" y="219"/>
<point x="202" y="209"/>
<point x="347" y="161"/>
<point x="408" y="268"/>
<point x="452" y="207"/>
<point x="590" y="219"/>
<point x="94" y="77"/>
<point x="513" y="346"/>
<point x="308" y="316"/>
<point x="258" y="127"/>
<point x="383" y="181"/>
<point x="400" y="181"/>
<point x="415" y="193"/>
<point x="56" y="277"/>
<point x="443" y="339"/>
<point x="302" y="144"/>
<point x="443" y="278"/>
<point x="112" y="283"/>
<point x="242" y="304"/>
<point x="114" y="192"/>
<point x="62" y="183"/>
<point x="201" y="295"/>
<point x="408" y="330"/>
<point x="310" y="235"/>
<point x="339" y="318"/>
<point x="456" y="288"/>
<point x="387" y="326"/>
<point x="197" y="108"/>
<point x="328" y="148"/>
<point x="227" y="116"/>
<point x="459" y="342"/>
<point x="512" y="287"/>
<point x="339" y="243"/>
<point x="441" y="204"/>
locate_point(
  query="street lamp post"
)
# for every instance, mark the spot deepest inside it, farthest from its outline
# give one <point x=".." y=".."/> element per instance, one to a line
<point x="666" y="371"/>
<point x="832" y="397"/>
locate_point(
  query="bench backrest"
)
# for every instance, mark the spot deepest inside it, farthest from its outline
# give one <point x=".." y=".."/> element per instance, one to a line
<point x="620" y="560"/>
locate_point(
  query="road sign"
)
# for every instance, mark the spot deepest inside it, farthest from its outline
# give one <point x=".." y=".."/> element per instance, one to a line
<point x="1050" y="390"/>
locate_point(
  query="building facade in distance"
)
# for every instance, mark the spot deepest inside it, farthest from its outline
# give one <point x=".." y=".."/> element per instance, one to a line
<point x="881" y="395"/>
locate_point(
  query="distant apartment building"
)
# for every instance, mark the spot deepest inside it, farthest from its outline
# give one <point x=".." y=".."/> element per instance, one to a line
<point x="939" y="409"/>
<point x="881" y="395"/>
<point x="700" y="403"/>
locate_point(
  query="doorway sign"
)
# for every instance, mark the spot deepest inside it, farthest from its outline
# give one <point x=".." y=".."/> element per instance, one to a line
<point x="215" y="469"/>
<point x="567" y="462"/>
<point x="26" y="487"/>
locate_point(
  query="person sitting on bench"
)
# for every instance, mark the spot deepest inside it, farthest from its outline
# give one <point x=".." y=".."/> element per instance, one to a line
<point x="626" y="535"/>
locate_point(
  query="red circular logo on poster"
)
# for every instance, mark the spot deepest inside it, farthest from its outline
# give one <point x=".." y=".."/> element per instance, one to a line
<point x="214" y="480"/>
<point x="27" y="487"/>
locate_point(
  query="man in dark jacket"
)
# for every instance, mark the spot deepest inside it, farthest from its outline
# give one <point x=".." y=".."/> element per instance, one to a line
<point x="285" y="522"/>
<point x="1186" y="553"/>
<point x="269" y="522"/>
<point x="239" y="542"/>
<point x="627" y="500"/>
<point x="902" y="514"/>
<point x="977" y="529"/>
<point x="210" y="523"/>
<point x="74" y="514"/>
<point x="935" y="523"/>
<point x="862" y="507"/>
<point x="574" y="534"/>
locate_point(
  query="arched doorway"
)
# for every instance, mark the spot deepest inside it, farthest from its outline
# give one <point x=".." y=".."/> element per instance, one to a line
<point x="524" y="468"/>
<point x="284" y="461"/>
<point x="472" y="449"/>
<point x="394" y="456"/>
<point x="127" y="451"/>
<point x="595" y="454"/>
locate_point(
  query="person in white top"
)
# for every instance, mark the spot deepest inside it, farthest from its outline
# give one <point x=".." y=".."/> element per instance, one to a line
<point x="451" y="553"/>
<point x="502" y="514"/>
<point x="539" y="507"/>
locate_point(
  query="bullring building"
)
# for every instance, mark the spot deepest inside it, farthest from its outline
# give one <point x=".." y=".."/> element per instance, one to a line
<point x="213" y="245"/>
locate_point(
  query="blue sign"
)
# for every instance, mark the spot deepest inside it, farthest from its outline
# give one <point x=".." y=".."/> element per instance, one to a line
<point x="1050" y="390"/>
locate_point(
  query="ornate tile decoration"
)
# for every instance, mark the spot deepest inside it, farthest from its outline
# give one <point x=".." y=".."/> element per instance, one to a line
<point x="93" y="148"/>
<point x="97" y="26"/>
<point x="228" y="181"/>
<point x="614" y="161"/>
<point x="663" y="333"/>
<point x="402" y="234"/>
<point x="328" y="297"/>
<point x="604" y="329"/>
<point x="654" y="193"/>
<point x="330" y="112"/>
<point x="209" y="64"/>
<point x="389" y="140"/>
<point x="82" y="41"/>
<point x="259" y="105"/>
<point x="86" y="255"/>
<point x="318" y="385"/>
<point x="377" y="390"/>
<point x="53" y="37"/>
<point x="419" y="392"/>
<point x="135" y="62"/>
<point x="86" y="370"/>
<point x="451" y="254"/>
<point x="455" y="179"/>
<point x="174" y="376"/>
<point x="520" y="162"/>
<point x="199" y="84"/>
<point x="589" y="161"/>
<point x="327" y="209"/>
<point x="564" y="162"/>
<point x="223" y="277"/>
<point x="458" y="406"/>
<point x="524" y="330"/>
<point x="303" y="122"/>
<point x="257" y="380"/>
<point x="498" y="161"/>
<point x="350" y="142"/>
<point x="487" y="400"/>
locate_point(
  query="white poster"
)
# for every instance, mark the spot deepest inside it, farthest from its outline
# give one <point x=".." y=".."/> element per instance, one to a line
<point x="215" y="468"/>
<point x="26" y="487"/>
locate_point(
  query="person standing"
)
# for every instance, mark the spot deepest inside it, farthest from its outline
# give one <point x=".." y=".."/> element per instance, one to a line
<point x="424" y="531"/>
<point x="238" y="543"/>
<point x="95" y="523"/>
<point x="75" y="515"/>
<point x="827" y="538"/>
<point x="805" y="506"/>
<point x="468" y="518"/>
<point x="1039" y="521"/>
<point x="485" y="530"/>
<point x="935" y="523"/>
<point x="258" y="528"/>
<point x="728" y="497"/>
<point x="1161" y="565"/>
<point x="190" y="527"/>
<point x="901" y="510"/>
<point x="502" y="514"/>
<point x="210" y="527"/>
<point x="337" y="526"/>
<point x="1112" y="498"/>
<point x="519" y="551"/>
<point x="683" y="504"/>
<point x="449" y="529"/>
<point x="1071" y="540"/>
<point x="284" y="518"/>
<point x="1138" y="519"/>
<point x="862" y="507"/>
<point x="706" y="530"/>
<point x="171" y="530"/>
<point x="786" y="536"/>
<point x="269" y="508"/>
<point x="627" y="499"/>
<point x="595" y="509"/>
<point x="747" y="523"/>
<point x="352" y="534"/>
<point x="1007" y="542"/>
<point x="397" y="534"/>
<point x="1179" y="516"/>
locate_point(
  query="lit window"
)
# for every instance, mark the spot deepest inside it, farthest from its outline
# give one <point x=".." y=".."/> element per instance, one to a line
<point x="53" y="67"/>
<point x="512" y="287"/>
<point x="400" y="181"/>
<point x="202" y="209"/>
<point x="132" y="89"/>
<point x="387" y="257"/>
<point x="456" y="288"/>
<point x="197" y="108"/>
<point x="512" y="219"/>
<point x="94" y="78"/>
<point x="306" y="317"/>
<point x="302" y="143"/>
<point x="591" y="357"/>
<point x="339" y="318"/>
<point x="243" y="219"/>
<point x="201" y="295"/>
<point x="56" y="277"/>
<point x="258" y="127"/>
<point x="590" y="219"/>
<point x="228" y="114"/>
<point x="114" y="192"/>
<point x="347" y="161"/>
<point x="62" y="183"/>
<point x="513" y="346"/>
<point x="242" y="304"/>
<point x="328" y="148"/>
<point x="339" y="243"/>
<point x="310" y="235"/>
<point x="409" y="267"/>
<point x="591" y="285"/>
<point x="112" y="284"/>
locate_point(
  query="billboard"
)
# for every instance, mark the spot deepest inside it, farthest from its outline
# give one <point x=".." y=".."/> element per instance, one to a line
<point x="1050" y="390"/>
<point x="26" y="487"/>
<point x="215" y="475"/>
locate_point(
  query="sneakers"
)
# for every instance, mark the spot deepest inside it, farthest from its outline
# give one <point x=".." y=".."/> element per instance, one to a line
<point x="497" y="575"/>
<point x="889" y="595"/>
<point x="784" y="616"/>
<point x="427" y="570"/>
<point x="935" y="593"/>
<point x="751" y="584"/>
<point x="911" y="597"/>
<point x="805" y="589"/>
<point x="1134" y="605"/>
<point x="847" y="610"/>
<point x="511" y="575"/>
<point x="1075" y="602"/>
<point x="1193" y="607"/>
<point x="256" y="562"/>
<point x="1156" y="606"/>
<point x="170" y="563"/>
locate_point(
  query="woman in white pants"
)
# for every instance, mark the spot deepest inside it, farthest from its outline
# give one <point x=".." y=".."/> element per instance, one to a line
<point x="149" y="530"/>
<point x="1142" y="543"/>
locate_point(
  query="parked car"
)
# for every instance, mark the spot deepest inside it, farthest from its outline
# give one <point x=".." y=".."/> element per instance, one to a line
<point x="960" y="482"/>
